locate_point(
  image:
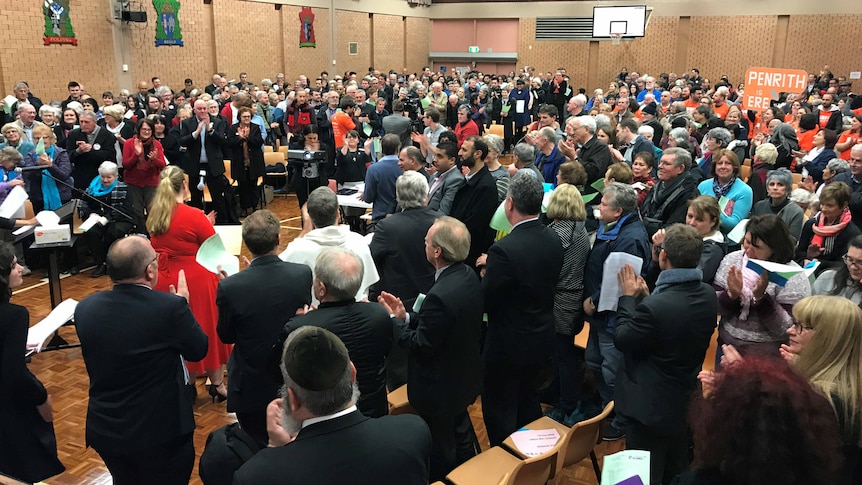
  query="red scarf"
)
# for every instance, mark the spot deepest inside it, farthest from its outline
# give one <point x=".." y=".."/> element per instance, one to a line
<point x="821" y="230"/>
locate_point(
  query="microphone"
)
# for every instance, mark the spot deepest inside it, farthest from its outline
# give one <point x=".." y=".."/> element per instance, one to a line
<point x="29" y="169"/>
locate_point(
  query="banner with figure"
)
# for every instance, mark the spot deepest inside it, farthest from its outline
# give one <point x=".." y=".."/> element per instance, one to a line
<point x="306" y="30"/>
<point x="168" y="31"/>
<point x="58" y="24"/>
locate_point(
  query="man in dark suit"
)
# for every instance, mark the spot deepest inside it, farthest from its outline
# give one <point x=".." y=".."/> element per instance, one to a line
<point x="662" y="353"/>
<point x="448" y="179"/>
<point x="364" y="327"/>
<point x="253" y="306"/>
<point x="202" y="136"/>
<point x="328" y="440"/>
<point x="476" y="200"/>
<point x="443" y="339"/>
<point x="139" y="417"/>
<point x="521" y="274"/>
<point x="88" y="147"/>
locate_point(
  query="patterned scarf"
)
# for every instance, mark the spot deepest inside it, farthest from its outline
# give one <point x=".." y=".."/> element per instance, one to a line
<point x="821" y="230"/>
<point x="722" y="190"/>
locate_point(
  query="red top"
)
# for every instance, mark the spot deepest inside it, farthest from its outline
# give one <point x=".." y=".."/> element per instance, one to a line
<point x="143" y="170"/>
<point x="468" y="129"/>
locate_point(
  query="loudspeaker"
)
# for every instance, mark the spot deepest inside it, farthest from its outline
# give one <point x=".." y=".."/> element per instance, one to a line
<point x="129" y="16"/>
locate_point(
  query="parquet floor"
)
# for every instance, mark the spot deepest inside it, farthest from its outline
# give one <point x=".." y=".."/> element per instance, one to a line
<point x="65" y="377"/>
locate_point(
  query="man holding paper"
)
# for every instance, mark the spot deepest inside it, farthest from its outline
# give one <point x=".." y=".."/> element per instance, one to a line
<point x="662" y="353"/>
<point x="620" y="231"/>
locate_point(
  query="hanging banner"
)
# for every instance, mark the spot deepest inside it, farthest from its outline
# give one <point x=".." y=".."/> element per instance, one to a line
<point x="306" y="30"/>
<point x="58" y="25"/>
<point x="168" y="31"/>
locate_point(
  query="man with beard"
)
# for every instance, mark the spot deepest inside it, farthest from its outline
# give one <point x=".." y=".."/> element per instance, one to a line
<point x="329" y="439"/>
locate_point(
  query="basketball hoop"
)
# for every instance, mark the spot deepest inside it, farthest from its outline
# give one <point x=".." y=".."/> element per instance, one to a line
<point x="616" y="38"/>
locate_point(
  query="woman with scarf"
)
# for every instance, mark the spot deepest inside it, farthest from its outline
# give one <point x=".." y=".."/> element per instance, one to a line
<point x="755" y="312"/>
<point x="67" y="123"/>
<point x="121" y="128"/>
<point x="825" y="236"/>
<point x="14" y="136"/>
<point x="45" y="192"/>
<point x="733" y="195"/>
<point x="822" y="152"/>
<point x="245" y="140"/>
<point x="115" y="214"/>
<point x="143" y="161"/>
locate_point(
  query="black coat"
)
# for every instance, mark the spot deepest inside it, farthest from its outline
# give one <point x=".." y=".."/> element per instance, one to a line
<point x="474" y="205"/>
<point x="155" y="330"/>
<point x="522" y="273"/>
<point x="28" y="448"/>
<point x="367" y="332"/>
<point x="86" y="165"/>
<point x="348" y="449"/>
<point x="662" y="353"/>
<point x="253" y="306"/>
<point x="398" y="249"/>
<point x="214" y="141"/>
<point x="256" y="167"/>
<point x="443" y="341"/>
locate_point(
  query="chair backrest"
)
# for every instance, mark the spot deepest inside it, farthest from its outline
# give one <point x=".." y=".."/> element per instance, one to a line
<point x="797" y="178"/>
<point x="507" y="159"/>
<point x="744" y="171"/>
<point x="28" y="209"/>
<point x="76" y="218"/>
<point x="267" y="149"/>
<point x="272" y="158"/>
<point x="582" y="437"/>
<point x="495" y="130"/>
<point x="535" y="471"/>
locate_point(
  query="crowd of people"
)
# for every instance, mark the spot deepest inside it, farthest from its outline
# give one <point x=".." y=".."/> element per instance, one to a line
<point x="478" y="275"/>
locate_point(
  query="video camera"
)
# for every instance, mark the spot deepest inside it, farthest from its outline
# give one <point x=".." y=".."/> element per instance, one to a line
<point x="310" y="161"/>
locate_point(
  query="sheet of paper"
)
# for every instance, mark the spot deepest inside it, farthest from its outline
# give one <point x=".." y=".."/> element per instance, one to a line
<point x="499" y="221"/>
<point x="376" y="145"/>
<point x="534" y="442"/>
<point x="426" y="102"/>
<point x="599" y="185"/>
<point x="231" y="236"/>
<point x="809" y="270"/>
<point x="639" y="186"/>
<point x="778" y="273"/>
<point x="21" y="230"/>
<point x="13" y="202"/>
<point x="366" y="128"/>
<point x="92" y="221"/>
<point x="738" y="232"/>
<point x="520" y="104"/>
<point x="39" y="333"/>
<point x="611" y="292"/>
<point x="589" y="197"/>
<point x="630" y="467"/>
<point x="213" y="254"/>
<point x="40" y="147"/>
<point x="8" y="101"/>
<point x="506" y="108"/>
<point x="48" y="219"/>
<point x="417" y="305"/>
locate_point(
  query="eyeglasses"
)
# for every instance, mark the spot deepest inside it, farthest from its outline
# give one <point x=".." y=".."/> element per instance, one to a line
<point x="800" y="327"/>
<point x="851" y="262"/>
<point x="155" y="260"/>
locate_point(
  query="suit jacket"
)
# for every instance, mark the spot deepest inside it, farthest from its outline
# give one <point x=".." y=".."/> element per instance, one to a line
<point x="214" y="140"/>
<point x="474" y="205"/>
<point x="86" y="165"/>
<point x="521" y="274"/>
<point x="367" y="332"/>
<point x="398" y="249"/>
<point x="348" y="449"/>
<point x="444" y="340"/>
<point x="252" y="308"/>
<point x="441" y="195"/>
<point x="155" y="333"/>
<point x="662" y="353"/>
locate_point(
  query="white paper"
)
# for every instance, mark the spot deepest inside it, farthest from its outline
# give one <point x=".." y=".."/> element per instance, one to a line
<point x="231" y="236"/>
<point x="48" y="219"/>
<point x="9" y="100"/>
<point x="14" y="202"/>
<point x="738" y="233"/>
<point x="855" y="74"/>
<point x="213" y="254"/>
<point x="639" y="186"/>
<point x="39" y="333"/>
<point x="21" y="230"/>
<point x="519" y="106"/>
<point x="534" y="442"/>
<point x="417" y="305"/>
<point x="623" y="466"/>
<point x="783" y="269"/>
<point x="91" y="221"/>
<point x="611" y="291"/>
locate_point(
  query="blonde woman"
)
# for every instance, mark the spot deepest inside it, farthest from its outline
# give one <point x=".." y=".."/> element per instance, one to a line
<point x="176" y="233"/>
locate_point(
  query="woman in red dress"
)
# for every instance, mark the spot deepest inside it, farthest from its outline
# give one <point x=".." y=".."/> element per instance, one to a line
<point x="177" y="231"/>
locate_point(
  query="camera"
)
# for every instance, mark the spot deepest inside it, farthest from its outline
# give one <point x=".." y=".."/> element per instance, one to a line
<point x="310" y="161"/>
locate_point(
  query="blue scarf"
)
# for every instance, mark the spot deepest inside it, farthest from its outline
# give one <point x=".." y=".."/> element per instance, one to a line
<point x="610" y="234"/>
<point x="8" y="175"/>
<point x="98" y="190"/>
<point x="50" y="194"/>
<point x="675" y="276"/>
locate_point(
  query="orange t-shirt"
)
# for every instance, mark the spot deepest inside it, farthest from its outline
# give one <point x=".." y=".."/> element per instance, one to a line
<point x="845" y="155"/>
<point x="691" y="104"/>
<point x="806" y="139"/>
<point x="341" y="124"/>
<point x="721" y="111"/>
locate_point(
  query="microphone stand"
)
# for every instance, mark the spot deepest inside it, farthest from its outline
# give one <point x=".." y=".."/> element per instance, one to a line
<point x="82" y="192"/>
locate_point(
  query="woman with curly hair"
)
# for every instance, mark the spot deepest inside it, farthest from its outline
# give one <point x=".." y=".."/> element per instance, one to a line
<point x="762" y="422"/>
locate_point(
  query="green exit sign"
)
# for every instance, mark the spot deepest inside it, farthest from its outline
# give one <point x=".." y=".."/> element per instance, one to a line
<point x="473" y="49"/>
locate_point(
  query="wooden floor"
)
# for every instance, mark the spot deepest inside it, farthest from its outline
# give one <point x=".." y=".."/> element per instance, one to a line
<point x="65" y="376"/>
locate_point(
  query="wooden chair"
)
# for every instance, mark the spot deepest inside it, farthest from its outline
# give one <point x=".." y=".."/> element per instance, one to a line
<point x="582" y="337"/>
<point x="797" y="178"/>
<point x="744" y="172"/>
<point x="495" y="129"/>
<point x="267" y="149"/>
<point x="492" y="466"/>
<point x="507" y="159"/>
<point x="76" y="218"/>
<point x="747" y="162"/>
<point x="576" y="443"/>
<point x="398" y="402"/>
<point x="273" y="158"/>
<point x="28" y="209"/>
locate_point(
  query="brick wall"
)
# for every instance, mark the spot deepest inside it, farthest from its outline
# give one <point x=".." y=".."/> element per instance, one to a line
<point x="418" y="43"/>
<point x="388" y="33"/>
<point x="305" y="60"/>
<point x="352" y="27"/>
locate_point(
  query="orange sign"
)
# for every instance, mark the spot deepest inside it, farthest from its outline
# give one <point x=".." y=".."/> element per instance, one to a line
<point x="762" y="84"/>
